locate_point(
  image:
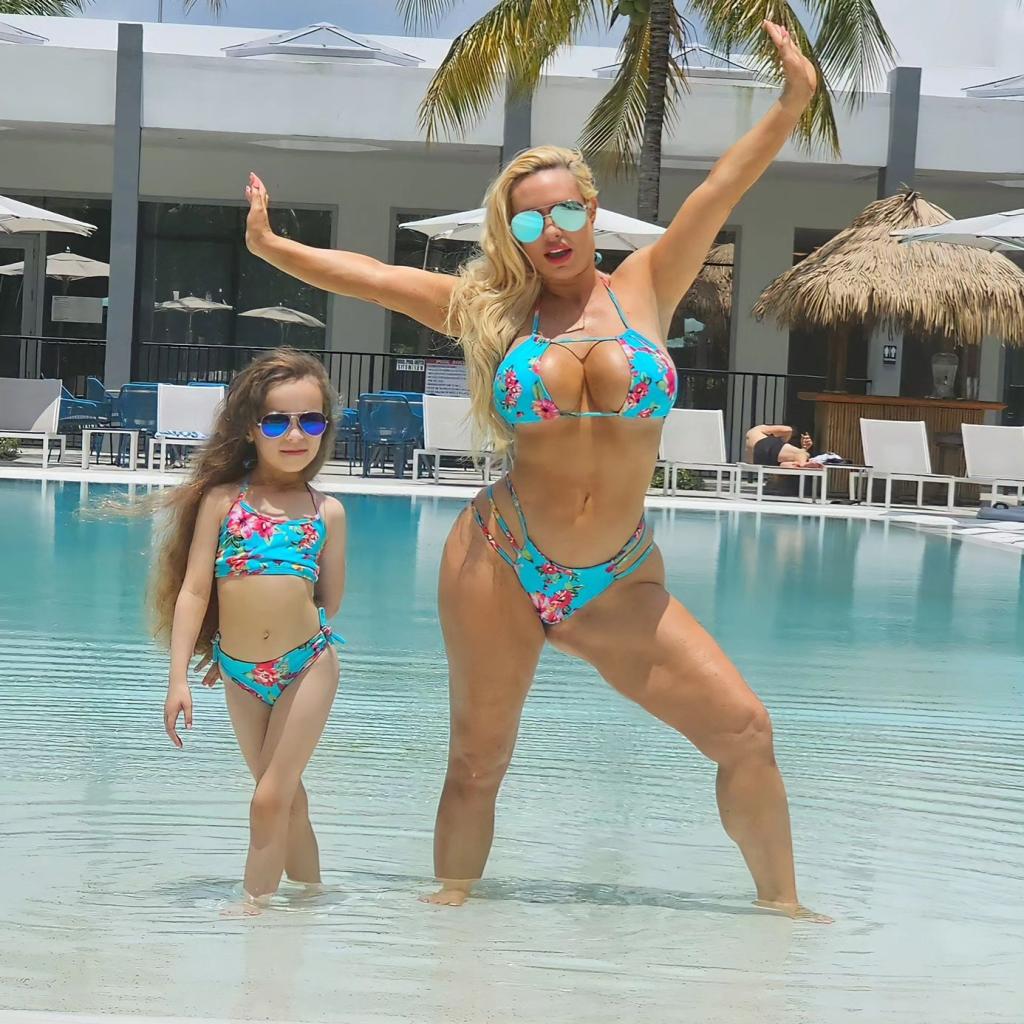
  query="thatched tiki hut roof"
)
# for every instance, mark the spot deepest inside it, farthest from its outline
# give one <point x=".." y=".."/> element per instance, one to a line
<point x="710" y="296"/>
<point x="864" y="278"/>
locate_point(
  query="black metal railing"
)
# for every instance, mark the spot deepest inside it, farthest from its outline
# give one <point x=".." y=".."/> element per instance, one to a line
<point x="745" y="398"/>
<point x="70" y="359"/>
<point x="351" y="373"/>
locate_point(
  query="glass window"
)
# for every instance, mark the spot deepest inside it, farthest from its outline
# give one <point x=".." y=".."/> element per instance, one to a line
<point x="95" y="247"/>
<point x="699" y="336"/>
<point x="406" y="336"/>
<point x="198" y="249"/>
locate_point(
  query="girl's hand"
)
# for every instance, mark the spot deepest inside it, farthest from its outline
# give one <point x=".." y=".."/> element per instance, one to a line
<point x="178" y="702"/>
<point x="799" y="73"/>
<point x="257" y="223"/>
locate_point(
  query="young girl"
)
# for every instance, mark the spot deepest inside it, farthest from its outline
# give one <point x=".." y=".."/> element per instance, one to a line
<point x="248" y="519"/>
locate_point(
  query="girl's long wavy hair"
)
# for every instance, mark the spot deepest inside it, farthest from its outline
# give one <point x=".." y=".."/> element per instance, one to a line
<point x="496" y="290"/>
<point x="226" y="458"/>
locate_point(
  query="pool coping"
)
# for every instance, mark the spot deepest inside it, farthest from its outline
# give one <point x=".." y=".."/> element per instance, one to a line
<point x="962" y="524"/>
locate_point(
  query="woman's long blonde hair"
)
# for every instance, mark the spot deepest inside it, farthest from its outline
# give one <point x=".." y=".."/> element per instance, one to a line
<point x="226" y="458"/>
<point x="496" y="290"/>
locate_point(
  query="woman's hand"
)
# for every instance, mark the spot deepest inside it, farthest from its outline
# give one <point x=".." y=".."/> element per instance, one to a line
<point x="799" y="73"/>
<point x="257" y="223"/>
<point x="178" y="702"/>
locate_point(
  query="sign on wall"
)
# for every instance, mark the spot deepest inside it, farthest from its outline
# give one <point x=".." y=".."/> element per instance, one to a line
<point x="446" y="377"/>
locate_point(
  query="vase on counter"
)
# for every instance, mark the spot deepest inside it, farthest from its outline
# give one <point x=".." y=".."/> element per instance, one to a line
<point x="944" y="370"/>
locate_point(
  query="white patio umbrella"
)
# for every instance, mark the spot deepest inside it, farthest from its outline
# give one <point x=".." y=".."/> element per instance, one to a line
<point x="190" y="305"/>
<point x="997" y="232"/>
<point x="284" y="316"/>
<point x="64" y="267"/>
<point x="18" y="217"/>
<point x="611" y="230"/>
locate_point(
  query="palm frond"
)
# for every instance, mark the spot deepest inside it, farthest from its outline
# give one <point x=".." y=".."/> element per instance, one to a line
<point x="423" y="13"/>
<point x="551" y="26"/>
<point x="511" y="43"/>
<point x="217" y="7"/>
<point x="613" y="134"/>
<point x="853" y="45"/>
<point x="614" y="130"/>
<point x="44" y="8"/>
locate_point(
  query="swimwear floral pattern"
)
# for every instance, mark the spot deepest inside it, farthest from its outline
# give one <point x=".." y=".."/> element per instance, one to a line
<point x="268" y="679"/>
<point x="251" y="544"/>
<point x="521" y="396"/>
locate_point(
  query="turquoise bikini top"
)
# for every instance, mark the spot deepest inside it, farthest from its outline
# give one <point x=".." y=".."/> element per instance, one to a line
<point x="521" y="395"/>
<point x="254" y="544"/>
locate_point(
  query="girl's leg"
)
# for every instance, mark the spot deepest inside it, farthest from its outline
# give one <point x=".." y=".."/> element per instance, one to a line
<point x="250" y="718"/>
<point x="296" y="723"/>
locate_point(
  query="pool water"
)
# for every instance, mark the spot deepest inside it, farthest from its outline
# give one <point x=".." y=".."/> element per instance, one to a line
<point x="891" y="662"/>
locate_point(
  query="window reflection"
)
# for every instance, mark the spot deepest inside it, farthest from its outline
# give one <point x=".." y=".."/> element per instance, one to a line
<point x="199" y="249"/>
<point x="406" y="336"/>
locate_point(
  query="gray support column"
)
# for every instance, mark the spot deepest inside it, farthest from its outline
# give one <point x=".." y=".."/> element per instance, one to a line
<point x="33" y="296"/>
<point x="899" y="172"/>
<point x="124" y="215"/>
<point x="518" y="133"/>
<point x="904" y="114"/>
<point x="885" y="362"/>
<point x="992" y="376"/>
<point x="33" y="300"/>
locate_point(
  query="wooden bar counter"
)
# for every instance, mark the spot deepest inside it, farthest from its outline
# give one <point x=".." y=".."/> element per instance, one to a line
<point x="837" y="423"/>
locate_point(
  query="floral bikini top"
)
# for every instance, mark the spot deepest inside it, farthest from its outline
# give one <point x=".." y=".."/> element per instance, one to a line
<point x="521" y="395"/>
<point x="254" y="544"/>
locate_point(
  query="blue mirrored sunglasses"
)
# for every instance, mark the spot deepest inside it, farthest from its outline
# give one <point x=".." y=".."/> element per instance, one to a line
<point x="277" y="424"/>
<point x="528" y="226"/>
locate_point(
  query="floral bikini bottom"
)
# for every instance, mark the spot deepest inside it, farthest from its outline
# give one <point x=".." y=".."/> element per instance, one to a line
<point x="268" y="679"/>
<point x="559" y="590"/>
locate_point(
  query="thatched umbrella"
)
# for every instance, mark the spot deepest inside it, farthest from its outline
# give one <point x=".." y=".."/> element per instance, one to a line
<point x="863" y="278"/>
<point x="710" y="296"/>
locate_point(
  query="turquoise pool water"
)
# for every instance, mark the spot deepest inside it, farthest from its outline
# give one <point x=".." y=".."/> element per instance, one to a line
<point x="892" y="664"/>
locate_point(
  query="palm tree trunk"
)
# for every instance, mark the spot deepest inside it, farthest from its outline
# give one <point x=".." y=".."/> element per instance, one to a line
<point x="649" y="196"/>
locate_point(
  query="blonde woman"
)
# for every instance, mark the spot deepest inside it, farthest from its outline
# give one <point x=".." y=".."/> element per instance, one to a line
<point x="567" y="369"/>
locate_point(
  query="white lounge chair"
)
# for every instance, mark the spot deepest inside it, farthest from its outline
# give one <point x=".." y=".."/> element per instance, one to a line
<point x="896" y="450"/>
<point x="694" y="439"/>
<point x="995" y="457"/>
<point x="184" y="416"/>
<point x="446" y="432"/>
<point x="29" y="411"/>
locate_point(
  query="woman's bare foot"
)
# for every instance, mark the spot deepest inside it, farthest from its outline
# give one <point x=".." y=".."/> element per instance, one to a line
<point x="445" y="897"/>
<point x="796" y="911"/>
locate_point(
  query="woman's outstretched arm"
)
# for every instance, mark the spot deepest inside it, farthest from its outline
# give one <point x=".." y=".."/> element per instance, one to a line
<point x="420" y="294"/>
<point x="670" y="265"/>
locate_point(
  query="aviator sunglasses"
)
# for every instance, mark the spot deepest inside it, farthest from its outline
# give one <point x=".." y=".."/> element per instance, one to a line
<point x="277" y="424"/>
<point x="528" y="226"/>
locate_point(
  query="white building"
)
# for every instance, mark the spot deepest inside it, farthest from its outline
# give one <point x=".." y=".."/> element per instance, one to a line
<point x="331" y="125"/>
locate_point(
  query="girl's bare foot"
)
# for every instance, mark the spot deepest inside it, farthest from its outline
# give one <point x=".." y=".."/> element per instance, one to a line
<point x="248" y="906"/>
<point x="796" y="911"/>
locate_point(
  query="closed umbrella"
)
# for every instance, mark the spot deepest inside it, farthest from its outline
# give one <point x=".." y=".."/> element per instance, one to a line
<point x="996" y="232"/>
<point x="284" y="316"/>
